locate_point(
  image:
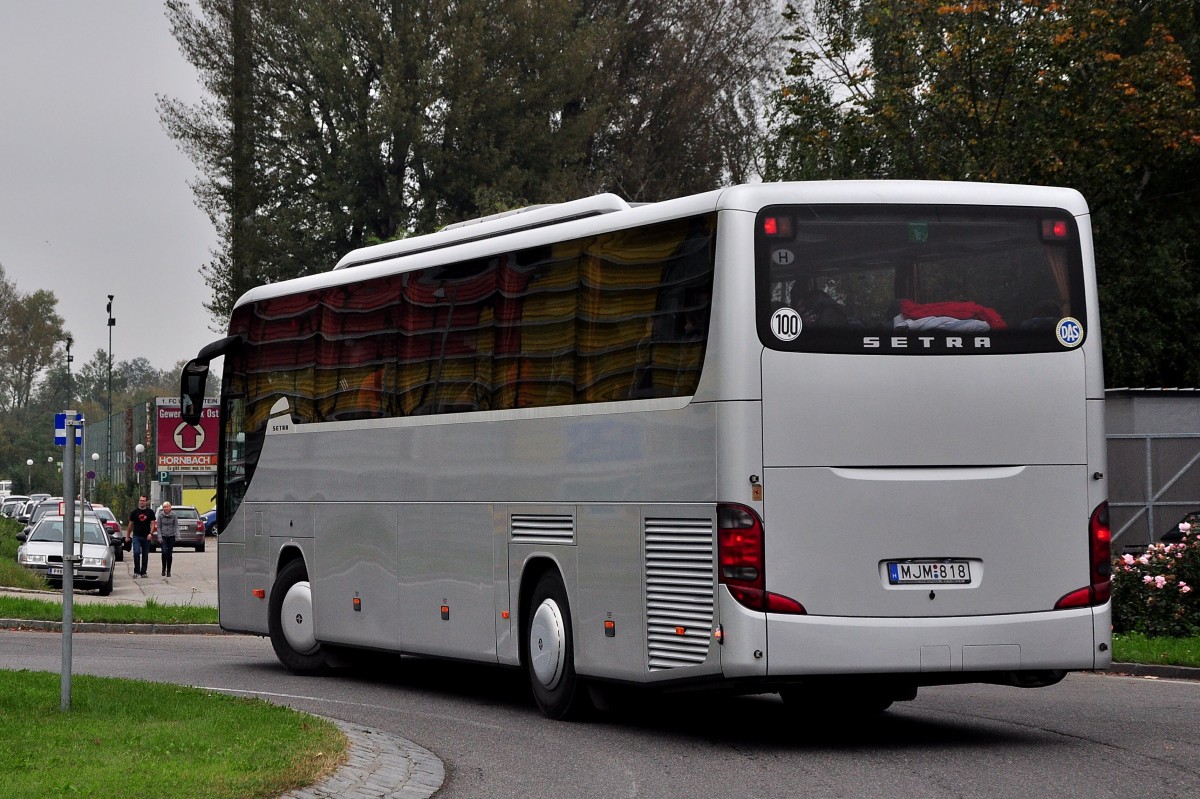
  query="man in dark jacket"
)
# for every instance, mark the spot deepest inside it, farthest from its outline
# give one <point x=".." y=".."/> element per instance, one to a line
<point x="139" y="527"/>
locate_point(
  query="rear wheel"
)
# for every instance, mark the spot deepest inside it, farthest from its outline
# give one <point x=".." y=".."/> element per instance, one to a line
<point x="200" y="545"/>
<point x="549" y="658"/>
<point x="290" y="621"/>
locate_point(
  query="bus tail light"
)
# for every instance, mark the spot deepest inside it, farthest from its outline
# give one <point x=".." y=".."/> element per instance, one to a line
<point x="741" y="561"/>
<point x="1100" y="554"/>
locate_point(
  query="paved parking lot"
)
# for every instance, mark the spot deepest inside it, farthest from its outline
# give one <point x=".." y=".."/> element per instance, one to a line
<point x="193" y="581"/>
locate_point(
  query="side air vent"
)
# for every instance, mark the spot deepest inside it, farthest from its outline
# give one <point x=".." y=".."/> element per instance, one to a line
<point x="539" y="528"/>
<point x="680" y="582"/>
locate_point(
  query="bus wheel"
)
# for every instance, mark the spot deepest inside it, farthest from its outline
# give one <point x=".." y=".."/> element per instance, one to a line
<point x="290" y="620"/>
<point x="549" y="658"/>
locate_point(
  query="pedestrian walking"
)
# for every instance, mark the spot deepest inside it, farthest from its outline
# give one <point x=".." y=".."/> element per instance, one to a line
<point x="167" y="525"/>
<point x="138" y="528"/>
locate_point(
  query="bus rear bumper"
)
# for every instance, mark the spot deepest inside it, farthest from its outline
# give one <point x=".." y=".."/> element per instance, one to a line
<point x="798" y="646"/>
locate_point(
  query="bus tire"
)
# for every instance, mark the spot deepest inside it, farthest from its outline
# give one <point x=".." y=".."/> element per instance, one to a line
<point x="290" y="621"/>
<point x="549" y="656"/>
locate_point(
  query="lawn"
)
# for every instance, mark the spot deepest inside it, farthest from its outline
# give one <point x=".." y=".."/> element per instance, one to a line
<point x="150" y="740"/>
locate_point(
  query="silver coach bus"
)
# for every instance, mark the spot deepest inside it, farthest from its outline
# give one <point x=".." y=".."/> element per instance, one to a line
<point x="766" y="438"/>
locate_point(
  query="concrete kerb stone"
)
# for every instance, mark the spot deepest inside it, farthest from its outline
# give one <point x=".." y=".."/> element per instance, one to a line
<point x="379" y="765"/>
<point x="104" y="627"/>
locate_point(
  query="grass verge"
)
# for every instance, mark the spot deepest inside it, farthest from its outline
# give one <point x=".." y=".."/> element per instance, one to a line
<point x="150" y="613"/>
<point x="1137" y="648"/>
<point x="149" y="740"/>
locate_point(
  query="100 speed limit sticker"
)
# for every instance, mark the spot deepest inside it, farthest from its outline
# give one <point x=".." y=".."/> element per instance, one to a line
<point x="786" y="324"/>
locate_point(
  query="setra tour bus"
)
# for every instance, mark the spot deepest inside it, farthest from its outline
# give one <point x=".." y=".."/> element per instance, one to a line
<point x="783" y="438"/>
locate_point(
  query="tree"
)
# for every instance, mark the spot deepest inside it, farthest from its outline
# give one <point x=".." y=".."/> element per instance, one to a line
<point x="29" y="341"/>
<point x="334" y="125"/>
<point x="1094" y="94"/>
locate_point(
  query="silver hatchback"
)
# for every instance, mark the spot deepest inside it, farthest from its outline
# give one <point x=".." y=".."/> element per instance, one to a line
<point x="191" y="531"/>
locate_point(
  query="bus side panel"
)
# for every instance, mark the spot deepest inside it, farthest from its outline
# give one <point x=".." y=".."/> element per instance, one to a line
<point x="610" y="589"/>
<point x="359" y="567"/>
<point x="245" y="550"/>
<point x="447" y="599"/>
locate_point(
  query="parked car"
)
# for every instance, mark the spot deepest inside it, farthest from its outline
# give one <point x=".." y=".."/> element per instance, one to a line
<point x="12" y="504"/>
<point x="109" y="520"/>
<point x="41" y="550"/>
<point x="191" y="531"/>
<point x="210" y="522"/>
<point x="51" y="505"/>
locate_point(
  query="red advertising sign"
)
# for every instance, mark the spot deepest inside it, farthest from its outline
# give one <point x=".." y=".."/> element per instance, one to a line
<point x="184" y="447"/>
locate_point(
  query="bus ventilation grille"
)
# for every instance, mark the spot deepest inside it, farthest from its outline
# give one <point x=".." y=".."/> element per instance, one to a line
<point x="679" y="591"/>
<point x="538" y="528"/>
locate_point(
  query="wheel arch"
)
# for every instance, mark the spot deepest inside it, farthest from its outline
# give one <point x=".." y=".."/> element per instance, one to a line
<point x="287" y="554"/>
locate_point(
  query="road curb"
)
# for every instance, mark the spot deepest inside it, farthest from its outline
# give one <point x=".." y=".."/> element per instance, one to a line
<point x="103" y="627"/>
<point x="1155" y="670"/>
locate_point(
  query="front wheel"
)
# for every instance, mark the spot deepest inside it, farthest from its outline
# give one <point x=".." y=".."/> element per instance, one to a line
<point x="550" y="659"/>
<point x="290" y="621"/>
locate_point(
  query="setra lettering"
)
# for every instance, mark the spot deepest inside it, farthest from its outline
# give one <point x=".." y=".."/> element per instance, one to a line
<point x="926" y="343"/>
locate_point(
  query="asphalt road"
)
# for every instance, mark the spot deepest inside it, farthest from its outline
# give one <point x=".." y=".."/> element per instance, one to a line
<point x="1092" y="735"/>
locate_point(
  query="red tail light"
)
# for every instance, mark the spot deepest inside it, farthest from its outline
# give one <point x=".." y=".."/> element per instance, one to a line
<point x="741" y="561"/>
<point x="1100" y="554"/>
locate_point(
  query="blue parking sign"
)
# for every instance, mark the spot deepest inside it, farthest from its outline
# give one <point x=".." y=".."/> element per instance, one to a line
<point x="60" y="429"/>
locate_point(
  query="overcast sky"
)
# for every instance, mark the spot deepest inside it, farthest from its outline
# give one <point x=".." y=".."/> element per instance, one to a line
<point x="94" y="196"/>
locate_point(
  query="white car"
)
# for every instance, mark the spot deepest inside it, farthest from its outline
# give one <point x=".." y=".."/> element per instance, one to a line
<point x="41" y="550"/>
<point x="12" y="505"/>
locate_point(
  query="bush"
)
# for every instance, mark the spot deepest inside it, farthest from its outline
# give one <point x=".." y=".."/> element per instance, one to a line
<point x="1155" y="593"/>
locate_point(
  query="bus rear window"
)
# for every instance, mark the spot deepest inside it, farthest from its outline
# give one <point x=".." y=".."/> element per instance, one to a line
<point x="919" y="280"/>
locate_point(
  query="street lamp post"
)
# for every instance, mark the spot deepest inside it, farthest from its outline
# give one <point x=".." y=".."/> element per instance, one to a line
<point x="70" y="341"/>
<point x="111" y="324"/>
<point x="29" y="477"/>
<point x="139" y="468"/>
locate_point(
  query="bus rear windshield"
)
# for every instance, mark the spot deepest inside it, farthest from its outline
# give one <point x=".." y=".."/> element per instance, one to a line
<point x="919" y="280"/>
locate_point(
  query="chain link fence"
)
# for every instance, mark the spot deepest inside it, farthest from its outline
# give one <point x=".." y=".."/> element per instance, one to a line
<point x="115" y="439"/>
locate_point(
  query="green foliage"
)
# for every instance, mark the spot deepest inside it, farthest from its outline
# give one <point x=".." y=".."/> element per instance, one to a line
<point x="1098" y="95"/>
<point x="1155" y="593"/>
<point x="331" y="126"/>
<point x="1138" y="648"/>
<point x="12" y="575"/>
<point x="152" y="612"/>
<point x="124" y="738"/>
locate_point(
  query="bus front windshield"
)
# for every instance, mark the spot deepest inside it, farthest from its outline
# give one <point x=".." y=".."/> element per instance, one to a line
<point x="919" y="280"/>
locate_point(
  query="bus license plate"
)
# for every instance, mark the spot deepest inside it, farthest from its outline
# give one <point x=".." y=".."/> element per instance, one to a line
<point x="929" y="572"/>
<point x="55" y="571"/>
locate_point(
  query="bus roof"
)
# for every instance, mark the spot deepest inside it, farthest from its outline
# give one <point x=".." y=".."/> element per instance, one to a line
<point x="540" y="225"/>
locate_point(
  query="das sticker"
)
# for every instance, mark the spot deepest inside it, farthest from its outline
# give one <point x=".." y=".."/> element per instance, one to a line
<point x="1069" y="331"/>
<point x="786" y="324"/>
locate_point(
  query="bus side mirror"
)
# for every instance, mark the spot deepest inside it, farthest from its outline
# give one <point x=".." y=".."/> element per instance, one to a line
<point x="191" y="390"/>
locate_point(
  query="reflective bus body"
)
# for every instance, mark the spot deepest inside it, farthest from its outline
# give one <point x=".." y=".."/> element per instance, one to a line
<point x="767" y="438"/>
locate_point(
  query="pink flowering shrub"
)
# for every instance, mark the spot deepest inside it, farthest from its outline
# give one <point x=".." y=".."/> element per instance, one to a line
<point x="1157" y="593"/>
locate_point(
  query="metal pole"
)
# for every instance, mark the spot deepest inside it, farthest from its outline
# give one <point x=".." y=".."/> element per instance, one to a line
<point x="68" y="582"/>
<point x="70" y="341"/>
<point x="108" y="451"/>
